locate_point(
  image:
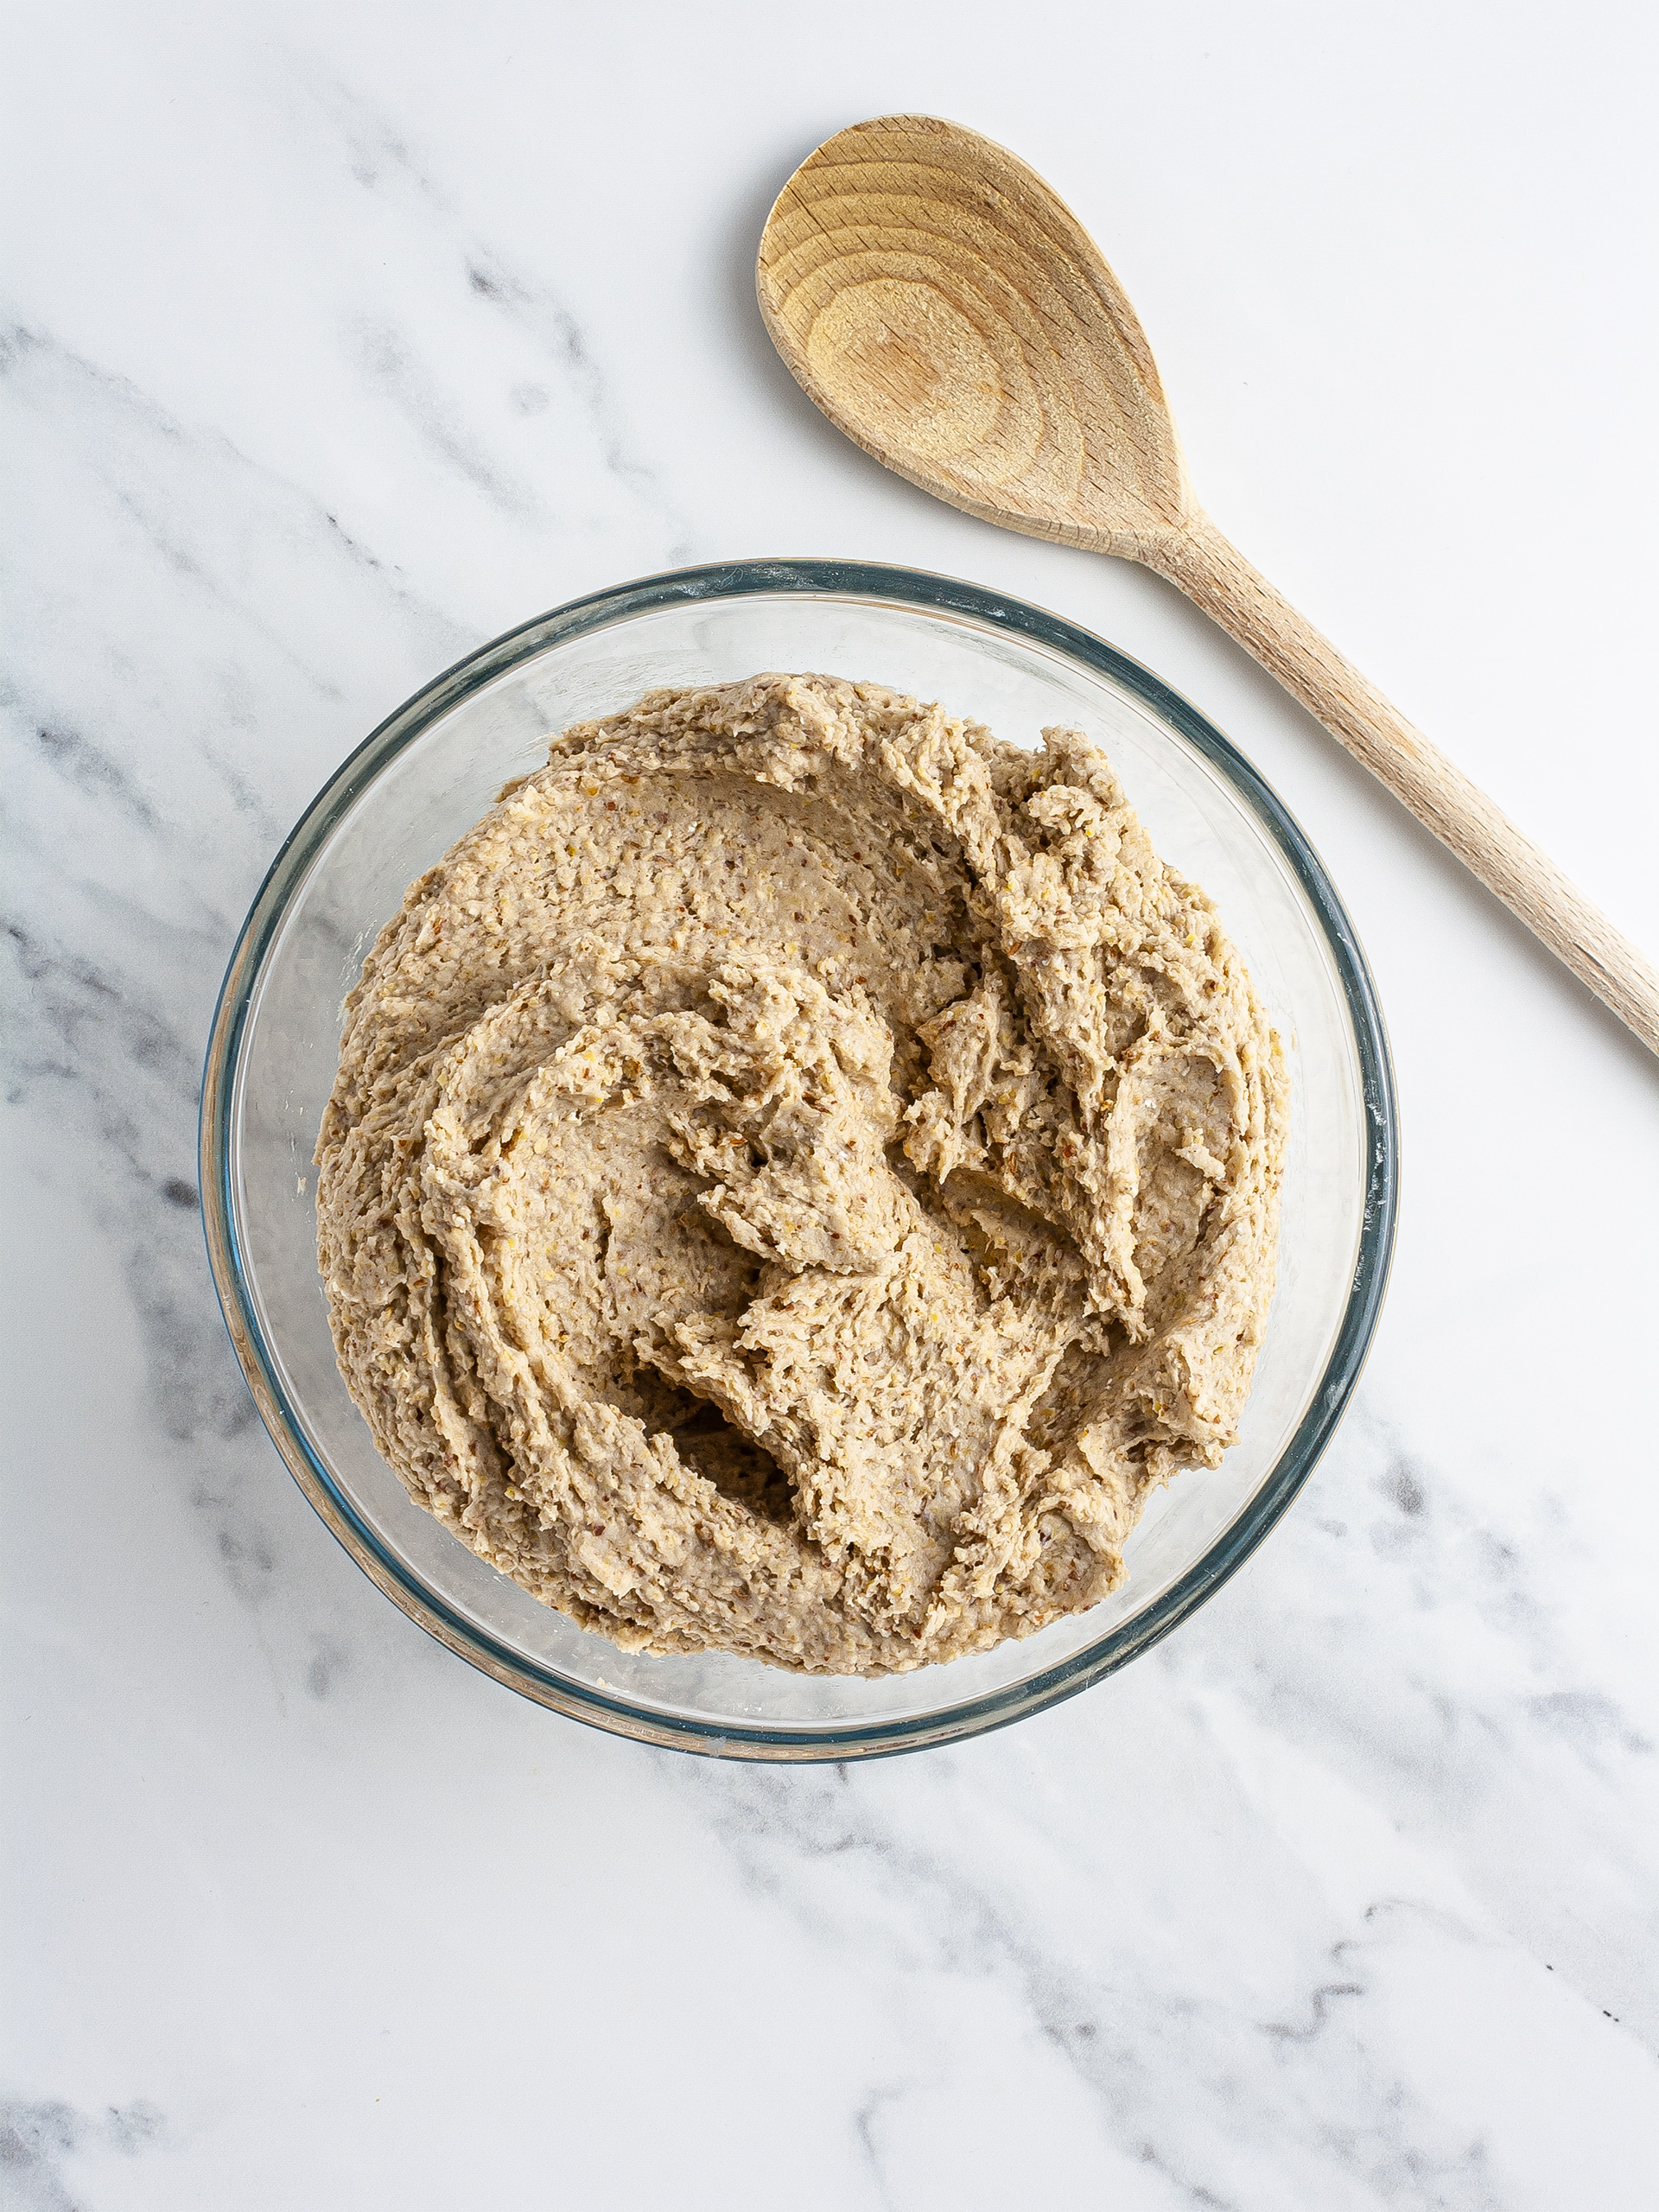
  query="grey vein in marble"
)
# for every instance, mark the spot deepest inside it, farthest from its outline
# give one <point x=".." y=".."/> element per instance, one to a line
<point x="38" y="2141"/>
<point x="847" y="1856"/>
<point x="384" y="163"/>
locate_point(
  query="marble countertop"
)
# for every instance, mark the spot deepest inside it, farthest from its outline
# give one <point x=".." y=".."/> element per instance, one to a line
<point x="336" y="340"/>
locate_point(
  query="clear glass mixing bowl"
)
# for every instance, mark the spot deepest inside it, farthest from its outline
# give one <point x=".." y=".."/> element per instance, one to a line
<point x="435" y="767"/>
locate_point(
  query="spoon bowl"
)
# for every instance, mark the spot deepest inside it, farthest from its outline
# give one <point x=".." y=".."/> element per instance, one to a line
<point x="947" y="311"/>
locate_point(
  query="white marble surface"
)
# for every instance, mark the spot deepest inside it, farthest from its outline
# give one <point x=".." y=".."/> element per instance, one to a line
<point x="338" y="339"/>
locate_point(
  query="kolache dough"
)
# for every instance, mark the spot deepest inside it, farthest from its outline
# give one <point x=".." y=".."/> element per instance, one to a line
<point x="801" y="1172"/>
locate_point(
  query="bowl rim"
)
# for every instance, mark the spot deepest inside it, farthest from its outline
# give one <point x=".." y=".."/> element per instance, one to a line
<point x="830" y="579"/>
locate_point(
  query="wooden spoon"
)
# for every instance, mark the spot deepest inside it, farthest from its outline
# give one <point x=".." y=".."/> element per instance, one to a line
<point x="954" y="318"/>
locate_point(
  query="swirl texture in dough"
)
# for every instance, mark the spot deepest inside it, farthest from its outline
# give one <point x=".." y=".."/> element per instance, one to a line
<point x="800" y="1173"/>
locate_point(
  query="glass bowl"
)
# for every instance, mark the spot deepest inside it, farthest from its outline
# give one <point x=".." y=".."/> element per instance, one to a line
<point x="435" y="767"/>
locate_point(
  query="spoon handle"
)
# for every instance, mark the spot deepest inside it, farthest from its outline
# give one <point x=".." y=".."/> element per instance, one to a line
<point x="1216" y="576"/>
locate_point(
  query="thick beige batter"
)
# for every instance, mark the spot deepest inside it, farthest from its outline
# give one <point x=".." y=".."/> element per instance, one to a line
<point x="800" y="1171"/>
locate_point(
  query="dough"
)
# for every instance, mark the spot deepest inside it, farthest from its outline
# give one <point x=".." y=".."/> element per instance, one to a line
<point x="801" y="1172"/>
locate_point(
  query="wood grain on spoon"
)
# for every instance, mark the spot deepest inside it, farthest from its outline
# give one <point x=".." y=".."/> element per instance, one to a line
<point x="954" y="318"/>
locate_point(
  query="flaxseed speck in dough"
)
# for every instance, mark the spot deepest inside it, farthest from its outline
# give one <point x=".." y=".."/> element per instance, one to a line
<point x="801" y="1170"/>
